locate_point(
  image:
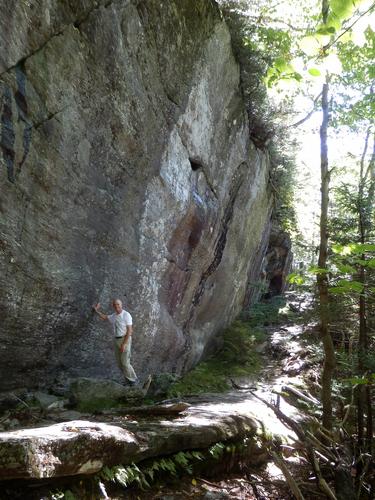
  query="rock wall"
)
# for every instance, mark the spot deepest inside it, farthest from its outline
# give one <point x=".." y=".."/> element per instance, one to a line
<point x="278" y="261"/>
<point x="126" y="170"/>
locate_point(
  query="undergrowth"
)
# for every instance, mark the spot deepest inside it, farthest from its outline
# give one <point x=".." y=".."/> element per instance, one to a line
<point x="270" y="312"/>
<point x="237" y="357"/>
<point x="220" y="457"/>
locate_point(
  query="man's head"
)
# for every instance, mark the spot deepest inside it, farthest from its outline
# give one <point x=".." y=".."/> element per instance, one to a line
<point x="117" y="305"/>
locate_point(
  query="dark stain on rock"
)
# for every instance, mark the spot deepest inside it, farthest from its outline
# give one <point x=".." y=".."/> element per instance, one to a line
<point x="222" y="239"/>
<point x="184" y="240"/>
<point x="21" y="102"/>
<point x="8" y="136"/>
<point x="8" y="133"/>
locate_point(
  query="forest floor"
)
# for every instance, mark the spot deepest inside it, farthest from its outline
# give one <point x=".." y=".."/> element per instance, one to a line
<point x="289" y="355"/>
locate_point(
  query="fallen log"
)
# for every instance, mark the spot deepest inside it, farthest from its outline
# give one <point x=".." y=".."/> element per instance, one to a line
<point x="152" y="410"/>
<point x="288" y="476"/>
<point x="299" y="394"/>
<point x="310" y="451"/>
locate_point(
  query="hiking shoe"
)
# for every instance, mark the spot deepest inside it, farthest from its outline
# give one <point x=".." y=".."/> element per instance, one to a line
<point x="132" y="383"/>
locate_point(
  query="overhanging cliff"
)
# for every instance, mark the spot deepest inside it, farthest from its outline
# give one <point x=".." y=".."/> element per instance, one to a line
<point x="126" y="171"/>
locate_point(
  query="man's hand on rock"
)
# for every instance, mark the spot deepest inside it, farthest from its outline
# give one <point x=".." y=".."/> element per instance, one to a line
<point x="96" y="307"/>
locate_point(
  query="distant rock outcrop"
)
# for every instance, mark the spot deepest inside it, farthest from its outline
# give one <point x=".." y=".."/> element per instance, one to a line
<point x="278" y="261"/>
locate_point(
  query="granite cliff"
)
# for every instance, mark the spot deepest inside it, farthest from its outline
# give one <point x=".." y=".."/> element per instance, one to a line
<point x="126" y="170"/>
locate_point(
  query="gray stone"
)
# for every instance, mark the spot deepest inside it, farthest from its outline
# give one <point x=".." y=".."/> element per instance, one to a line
<point x="66" y="415"/>
<point x="95" y="394"/>
<point x="12" y="423"/>
<point x="278" y="261"/>
<point x="216" y="495"/>
<point x="44" y="400"/>
<point x="161" y="383"/>
<point x="126" y="170"/>
<point x="58" y="405"/>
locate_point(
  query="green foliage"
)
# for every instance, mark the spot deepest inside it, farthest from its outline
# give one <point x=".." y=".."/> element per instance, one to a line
<point x="364" y="380"/>
<point x="190" y="462"/>
<point x="237" y="357"/>
<point x="217" y="450"/>
<point x="125" y="475"/>
<point x="249" y="46"/>
<point x="178" y="464"/>
<point x="295" y="279"/>
<point x="66" y="495"/>
<point x="263" y="53"/>
<point x="347" y="286"/>
<point x="271" y="312"/>
<point x="282" y="152"/>
<point x="340" y="11"/>
<point x="353" y="248"/>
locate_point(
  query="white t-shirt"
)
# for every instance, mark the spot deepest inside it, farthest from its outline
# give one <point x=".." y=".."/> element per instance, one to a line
<point x="120" y="322"/>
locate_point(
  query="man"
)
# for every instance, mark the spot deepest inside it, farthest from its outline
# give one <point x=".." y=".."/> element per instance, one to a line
<point x="122" y="324"/>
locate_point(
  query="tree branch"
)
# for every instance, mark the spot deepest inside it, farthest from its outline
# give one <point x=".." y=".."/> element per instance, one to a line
<point x="309" y="114"/>
<point x="349" y="27"/>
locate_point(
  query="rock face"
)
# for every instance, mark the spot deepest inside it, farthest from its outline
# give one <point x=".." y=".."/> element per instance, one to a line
<point x="126" y="170"/>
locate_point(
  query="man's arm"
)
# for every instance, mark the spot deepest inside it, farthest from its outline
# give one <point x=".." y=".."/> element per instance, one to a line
<point x="129" y="333"/>
<point x="100" y="314"/>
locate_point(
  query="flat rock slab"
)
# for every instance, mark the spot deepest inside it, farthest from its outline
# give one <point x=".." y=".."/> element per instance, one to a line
<point x="84" y="447"/>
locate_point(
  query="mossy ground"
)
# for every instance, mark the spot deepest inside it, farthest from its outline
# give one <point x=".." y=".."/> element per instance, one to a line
<point x="238" y="356"/>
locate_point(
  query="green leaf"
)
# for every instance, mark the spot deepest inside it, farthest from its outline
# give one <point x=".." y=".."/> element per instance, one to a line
<point x="68" y="495"/>
<point x="310" y="45"/>
<point x="281" y="64"/>
<point x="347" y="286"/>
<point x="314" y="72"/>
<point x="337" y="289"/>
<point x="326" y="30"/>
<point x="357" y="380"/>
<point x="345" y="268"/>
<point x="295" y="278"/>
<point x="341" y="249"/>
<point x="362" y="247"/>
<point x="353" y="248"/>
<point x="318" y="270"/>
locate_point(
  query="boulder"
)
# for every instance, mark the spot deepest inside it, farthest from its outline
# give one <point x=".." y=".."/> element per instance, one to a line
<point x="161" y="383"/>
<point x="90" y="394"/>
<point x="44" y="399"/>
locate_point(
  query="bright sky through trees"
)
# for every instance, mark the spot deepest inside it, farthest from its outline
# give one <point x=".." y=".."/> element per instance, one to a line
<point x="344" y="145"/>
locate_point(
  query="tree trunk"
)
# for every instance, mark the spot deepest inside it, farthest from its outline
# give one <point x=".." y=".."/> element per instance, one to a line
<point x="322" y="278"/>
<point x="364" y="392"/>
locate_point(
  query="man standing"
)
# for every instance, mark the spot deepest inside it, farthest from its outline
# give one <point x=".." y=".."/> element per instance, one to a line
<point x="122" y="324"/>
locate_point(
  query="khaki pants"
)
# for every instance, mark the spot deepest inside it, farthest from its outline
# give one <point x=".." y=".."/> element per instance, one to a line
<point x="123" y="359"/>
